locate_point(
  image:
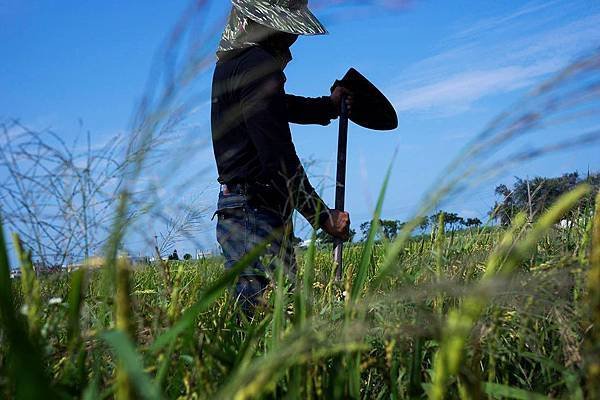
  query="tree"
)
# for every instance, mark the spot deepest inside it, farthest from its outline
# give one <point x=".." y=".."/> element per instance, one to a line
<point x="434" y="220"/>
<point x="391" y="228"/>
<point x="533" y="196"/>
<point x="388" y="229"/>
<point x="325" y="238"/>
<point x="365" y="227"/>
<point x="473" y="222"/>
<point x="505" y="210"/>
<point x="424" y="224"/>
<point x="453" y="220"/>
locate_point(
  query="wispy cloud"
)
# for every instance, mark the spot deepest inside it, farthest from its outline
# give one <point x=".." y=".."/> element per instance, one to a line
<point x="381" y="4"/>
<point x="502" y="21"/>
<point x="458" y="92"/>
<point x="335" y="11"/>
<point x="476" y="63"/>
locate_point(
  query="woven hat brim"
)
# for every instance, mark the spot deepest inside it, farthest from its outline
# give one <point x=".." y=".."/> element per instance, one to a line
<point x="299" y="21"/>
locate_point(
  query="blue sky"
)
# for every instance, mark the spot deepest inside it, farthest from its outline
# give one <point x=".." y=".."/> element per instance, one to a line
<point x="448" y="67"/>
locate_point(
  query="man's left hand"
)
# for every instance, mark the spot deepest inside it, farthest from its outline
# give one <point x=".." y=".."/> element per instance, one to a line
<point x="336" y="98"/>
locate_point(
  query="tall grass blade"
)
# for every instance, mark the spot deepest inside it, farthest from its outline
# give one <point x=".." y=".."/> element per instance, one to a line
<point x="124" y="325"/>
<point x="279" y="305"/>
<point x="298" y="348"/>
<point x="30" y="288"/>
<point x="352" y="361"/>
<point x="175" y="293"/>
<point x="461" y="320"/>
<point x="365" y="259"/>
<point x="206" y="298"/>
<point x="438" y="304"/>
<point x="592" y="339"/>
<point x="74" y="374"/>
<point x="389" y="263"/>
<point x="499" y="391"/>
<point x="76" y="294"/>
<point x="571" y="378"/>
<point x="129" y="358"/>
<point x="165" y="363"/>
<point x="24" y="357"/>
<point x="551" y="217"/>
<point x="92" y="390"/>
<point x="392" y="363"/>
<point x="247" y="351"/>
<point x="308" y="278"/>
<point x="414" y="383"/>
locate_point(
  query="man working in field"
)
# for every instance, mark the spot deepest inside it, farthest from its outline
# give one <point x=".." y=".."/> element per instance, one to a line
<point x="262" y="179"/>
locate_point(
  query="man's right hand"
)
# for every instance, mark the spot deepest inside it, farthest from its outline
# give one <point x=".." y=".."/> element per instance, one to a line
<point x="338" y="224"/>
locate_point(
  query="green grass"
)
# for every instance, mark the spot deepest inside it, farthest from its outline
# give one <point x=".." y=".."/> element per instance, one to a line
<point x="477" y="313"/>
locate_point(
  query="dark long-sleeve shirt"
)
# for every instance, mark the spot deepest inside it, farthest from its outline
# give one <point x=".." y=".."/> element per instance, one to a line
<point x="251" y="135"/>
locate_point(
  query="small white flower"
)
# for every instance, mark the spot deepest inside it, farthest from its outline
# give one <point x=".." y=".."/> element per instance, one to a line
<point x="24" y="309"/>
<point x="55" y="300"/>
<point x="345" y="294"/>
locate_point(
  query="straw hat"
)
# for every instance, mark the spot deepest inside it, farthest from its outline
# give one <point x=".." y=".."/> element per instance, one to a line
<point x="292" y="16"/>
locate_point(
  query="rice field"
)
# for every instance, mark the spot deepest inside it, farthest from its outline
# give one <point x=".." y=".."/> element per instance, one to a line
<point x="507" y="312"/>
<point x="479" y="313"/>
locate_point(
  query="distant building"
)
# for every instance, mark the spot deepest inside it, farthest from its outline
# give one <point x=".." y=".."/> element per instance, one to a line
<point x="202" y="255"/>
<point x="154" y="259"/>
<point x="139" y="260"/>
<point x="306" y="243"/>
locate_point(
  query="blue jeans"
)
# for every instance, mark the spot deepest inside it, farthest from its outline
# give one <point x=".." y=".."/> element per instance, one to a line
<point x="240" y="228"/>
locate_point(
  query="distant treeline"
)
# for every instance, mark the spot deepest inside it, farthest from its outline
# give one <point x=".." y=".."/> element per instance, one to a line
<point x="531" y="196"/>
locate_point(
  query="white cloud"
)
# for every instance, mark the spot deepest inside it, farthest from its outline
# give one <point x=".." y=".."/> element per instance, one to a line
<point x="497" y="22"/>
<point x="459" y="91"/>
<point x="479" y="65"/>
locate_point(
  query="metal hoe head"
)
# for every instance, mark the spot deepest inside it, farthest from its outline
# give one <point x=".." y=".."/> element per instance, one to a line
<point x="371" y="109"/>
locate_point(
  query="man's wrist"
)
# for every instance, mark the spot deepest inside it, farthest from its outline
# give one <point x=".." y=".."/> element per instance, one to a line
<point x="332" y="110"/>
<point x="323" y="217"/>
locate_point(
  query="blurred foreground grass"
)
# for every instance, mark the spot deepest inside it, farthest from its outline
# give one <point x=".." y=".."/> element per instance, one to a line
<point x="504" y="313"/>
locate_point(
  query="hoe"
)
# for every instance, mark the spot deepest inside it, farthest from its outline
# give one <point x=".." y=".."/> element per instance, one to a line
<point x="371" y="110"/>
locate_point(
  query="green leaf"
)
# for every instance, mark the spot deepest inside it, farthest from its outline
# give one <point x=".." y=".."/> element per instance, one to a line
<point x="280" y="302"/>
<point x="503" y="261"/>
<point x="363" y="266"/>
<point x="131" y="361"/>
<point x="308" y="278"/>
<point x="75" y="300"/>
<point x="206" y="298"/>
<point x="26" y="365"/>
<point x="500" y="391"/>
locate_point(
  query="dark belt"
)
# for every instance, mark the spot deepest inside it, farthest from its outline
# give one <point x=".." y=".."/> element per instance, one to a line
<point x="234" y="188"/>
<point x="245" y="188"/>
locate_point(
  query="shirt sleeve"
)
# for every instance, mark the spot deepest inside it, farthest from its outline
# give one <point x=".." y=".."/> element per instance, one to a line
<point x="265" y="114"/>
<point x="308" y="110"/>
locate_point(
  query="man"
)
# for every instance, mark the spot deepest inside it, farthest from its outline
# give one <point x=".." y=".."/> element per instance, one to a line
<point x="262" y="179"/>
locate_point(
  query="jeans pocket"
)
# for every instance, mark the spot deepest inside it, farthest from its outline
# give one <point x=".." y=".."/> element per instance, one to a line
<point x="232" y="226"/>
<point x="230" y="205"/>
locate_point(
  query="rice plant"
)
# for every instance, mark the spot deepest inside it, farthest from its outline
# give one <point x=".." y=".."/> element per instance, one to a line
<point x="506" y="325"/>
